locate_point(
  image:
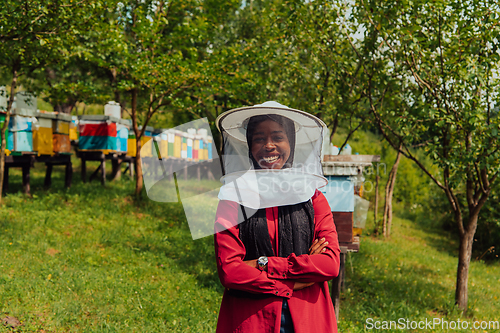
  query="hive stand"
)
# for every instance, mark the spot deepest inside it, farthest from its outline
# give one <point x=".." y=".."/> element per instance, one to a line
<point x="58" y="159"/>
<point x="25" y="161"/>
<point x="116" y="159"/>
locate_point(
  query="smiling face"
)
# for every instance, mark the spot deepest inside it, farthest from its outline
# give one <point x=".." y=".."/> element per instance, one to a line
<point x="270" y="146"/>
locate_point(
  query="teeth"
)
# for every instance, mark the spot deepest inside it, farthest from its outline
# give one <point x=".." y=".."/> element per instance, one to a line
<point x="271" y="159"/>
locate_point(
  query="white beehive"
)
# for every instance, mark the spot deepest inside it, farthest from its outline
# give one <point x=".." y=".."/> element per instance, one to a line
<point x="112" y="109"/>
<point x="26" y="104"/>
<point x="3" y="98"/>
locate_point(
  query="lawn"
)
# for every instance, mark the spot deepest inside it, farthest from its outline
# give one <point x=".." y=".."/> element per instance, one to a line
<point x="93" y="259"/>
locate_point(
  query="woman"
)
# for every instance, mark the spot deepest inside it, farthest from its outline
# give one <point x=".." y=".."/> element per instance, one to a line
<point x="276" y="263"/>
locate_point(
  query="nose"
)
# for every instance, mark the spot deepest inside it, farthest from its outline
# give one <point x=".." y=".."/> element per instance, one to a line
<point x="269" y="144"/>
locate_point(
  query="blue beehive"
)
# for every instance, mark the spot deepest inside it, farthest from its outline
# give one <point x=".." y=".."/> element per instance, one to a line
<point x="20" y="138"/>
<point x="122" y="131"/>
<point x="339" y="193"/>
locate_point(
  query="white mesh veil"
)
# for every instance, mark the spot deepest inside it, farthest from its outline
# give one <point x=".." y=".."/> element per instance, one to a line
<point x="254" y="187"/>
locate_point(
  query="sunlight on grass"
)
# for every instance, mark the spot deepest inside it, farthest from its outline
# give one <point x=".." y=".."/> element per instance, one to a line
<point x="93" y="259"/>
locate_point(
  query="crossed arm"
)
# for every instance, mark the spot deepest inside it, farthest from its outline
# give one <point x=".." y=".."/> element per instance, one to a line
<point x="283" y="274"/>
<point x="318" y="247"/>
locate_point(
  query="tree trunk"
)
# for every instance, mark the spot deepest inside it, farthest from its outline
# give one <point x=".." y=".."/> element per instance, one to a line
<point x="375" y="213"/>
<point x="389" y="190"/>
<point x="138" y="169"/>
<point x="138" y="135"/>
<point x="4" y="128"/>
<point x="464" y="255"/>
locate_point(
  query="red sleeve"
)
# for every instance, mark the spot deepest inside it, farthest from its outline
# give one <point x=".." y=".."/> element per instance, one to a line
<point x="317" y="267"/>
<point x="230" y="252"/>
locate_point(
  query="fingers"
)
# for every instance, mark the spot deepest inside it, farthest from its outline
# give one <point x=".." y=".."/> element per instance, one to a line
<point x="318" y="246"/>
<point x="313" y="245"/>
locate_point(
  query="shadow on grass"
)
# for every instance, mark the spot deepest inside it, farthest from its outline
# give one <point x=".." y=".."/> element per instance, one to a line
<point x="195" y="257"/>
<point x="393" y="291"/>
<point x="430" y="223"/>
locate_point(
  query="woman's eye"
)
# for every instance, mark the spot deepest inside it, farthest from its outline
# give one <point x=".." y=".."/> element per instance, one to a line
<point x="279" y="138"/>
<point x="258" y="139"/>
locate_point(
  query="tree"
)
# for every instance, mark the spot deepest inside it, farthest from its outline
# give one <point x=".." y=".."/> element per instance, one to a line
<point x="32" y="34"/>
<point x="435" y="86"/>
<point x="389" y="190"/>
<point x="152" y="49"/>
<point x="325" y="72"/>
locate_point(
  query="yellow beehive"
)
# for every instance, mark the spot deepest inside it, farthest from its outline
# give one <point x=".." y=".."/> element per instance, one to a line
<point x="177" y="144"/>
<point x="164" y="145"/>
<point x="148" y="152"/>
<point x="42" y="137"/>
<point x="73" y="133"/>
<point x="131" y="147"/>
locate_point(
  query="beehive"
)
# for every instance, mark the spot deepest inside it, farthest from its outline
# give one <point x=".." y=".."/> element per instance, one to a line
<point x="178" y="144"/>
<point x="148" y="135"/>
<point x="209" y="147"/>
<point x="171" y="142"/>
<point x="196" y="148"/>
<point x="26" y="104"/>
<point x="189" y="141"/>
<point x="184" y="149"/>
<point x="122" y="135"/>
<point x="164" y="144"/>
<point x="131" y="140"/>
<point x="60" y="133"/>
<point x="97" y="133"/>
<point x="162" y="140"/>
<point x="73" y="129"/>
<point x="20" y="133"/>
<point x="3" y="115"/>
<point x="42" y="135"/>
<point x="112" y="109"/>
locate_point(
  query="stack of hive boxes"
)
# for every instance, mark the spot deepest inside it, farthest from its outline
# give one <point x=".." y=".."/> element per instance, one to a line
<point x="97" y="133"/>
<point x="3" y="105"/>
<point x="60" y="136"/>
<point x="161" y="138"/>
<point x="164" y="144"/>
<point x="131" y="141"/>
<point x="122" y="135"/>
<point x="42" y="133"/>
<point x="73" y="129"/>
<point x="202" y="144"/>
<point x="22" y="123"/>
<point x="171" y="142"/>
<point x="148" y="135"/>
<point x="20" y="137"/>
<point x="177" y="143"/>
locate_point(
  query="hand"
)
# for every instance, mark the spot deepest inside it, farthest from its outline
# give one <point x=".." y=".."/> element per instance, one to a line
<point x="302" y="285"/>
<point x="318" y="246"/>
<point x="252" y="263"/>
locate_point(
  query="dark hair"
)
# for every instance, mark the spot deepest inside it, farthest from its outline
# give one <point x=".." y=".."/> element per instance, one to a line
<point x="287" y="124"/>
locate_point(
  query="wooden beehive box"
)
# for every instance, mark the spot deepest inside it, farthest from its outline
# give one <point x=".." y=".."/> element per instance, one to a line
<point x="97" y="133"/>
<point x="340" y="171"/>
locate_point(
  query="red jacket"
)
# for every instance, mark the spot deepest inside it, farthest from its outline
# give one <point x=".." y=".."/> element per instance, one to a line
<point x="311" y="308"/>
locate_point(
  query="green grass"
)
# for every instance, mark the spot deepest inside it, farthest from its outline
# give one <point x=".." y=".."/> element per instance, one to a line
<point x="92" y="259"/>
<point x="412" y="276"/>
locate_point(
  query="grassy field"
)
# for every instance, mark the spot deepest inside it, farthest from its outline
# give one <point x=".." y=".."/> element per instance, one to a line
<point x="92" y="259"/>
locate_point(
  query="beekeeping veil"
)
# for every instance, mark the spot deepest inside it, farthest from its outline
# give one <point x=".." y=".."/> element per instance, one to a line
<point x="166" y="178"/>
<point x="254" y="187"/>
